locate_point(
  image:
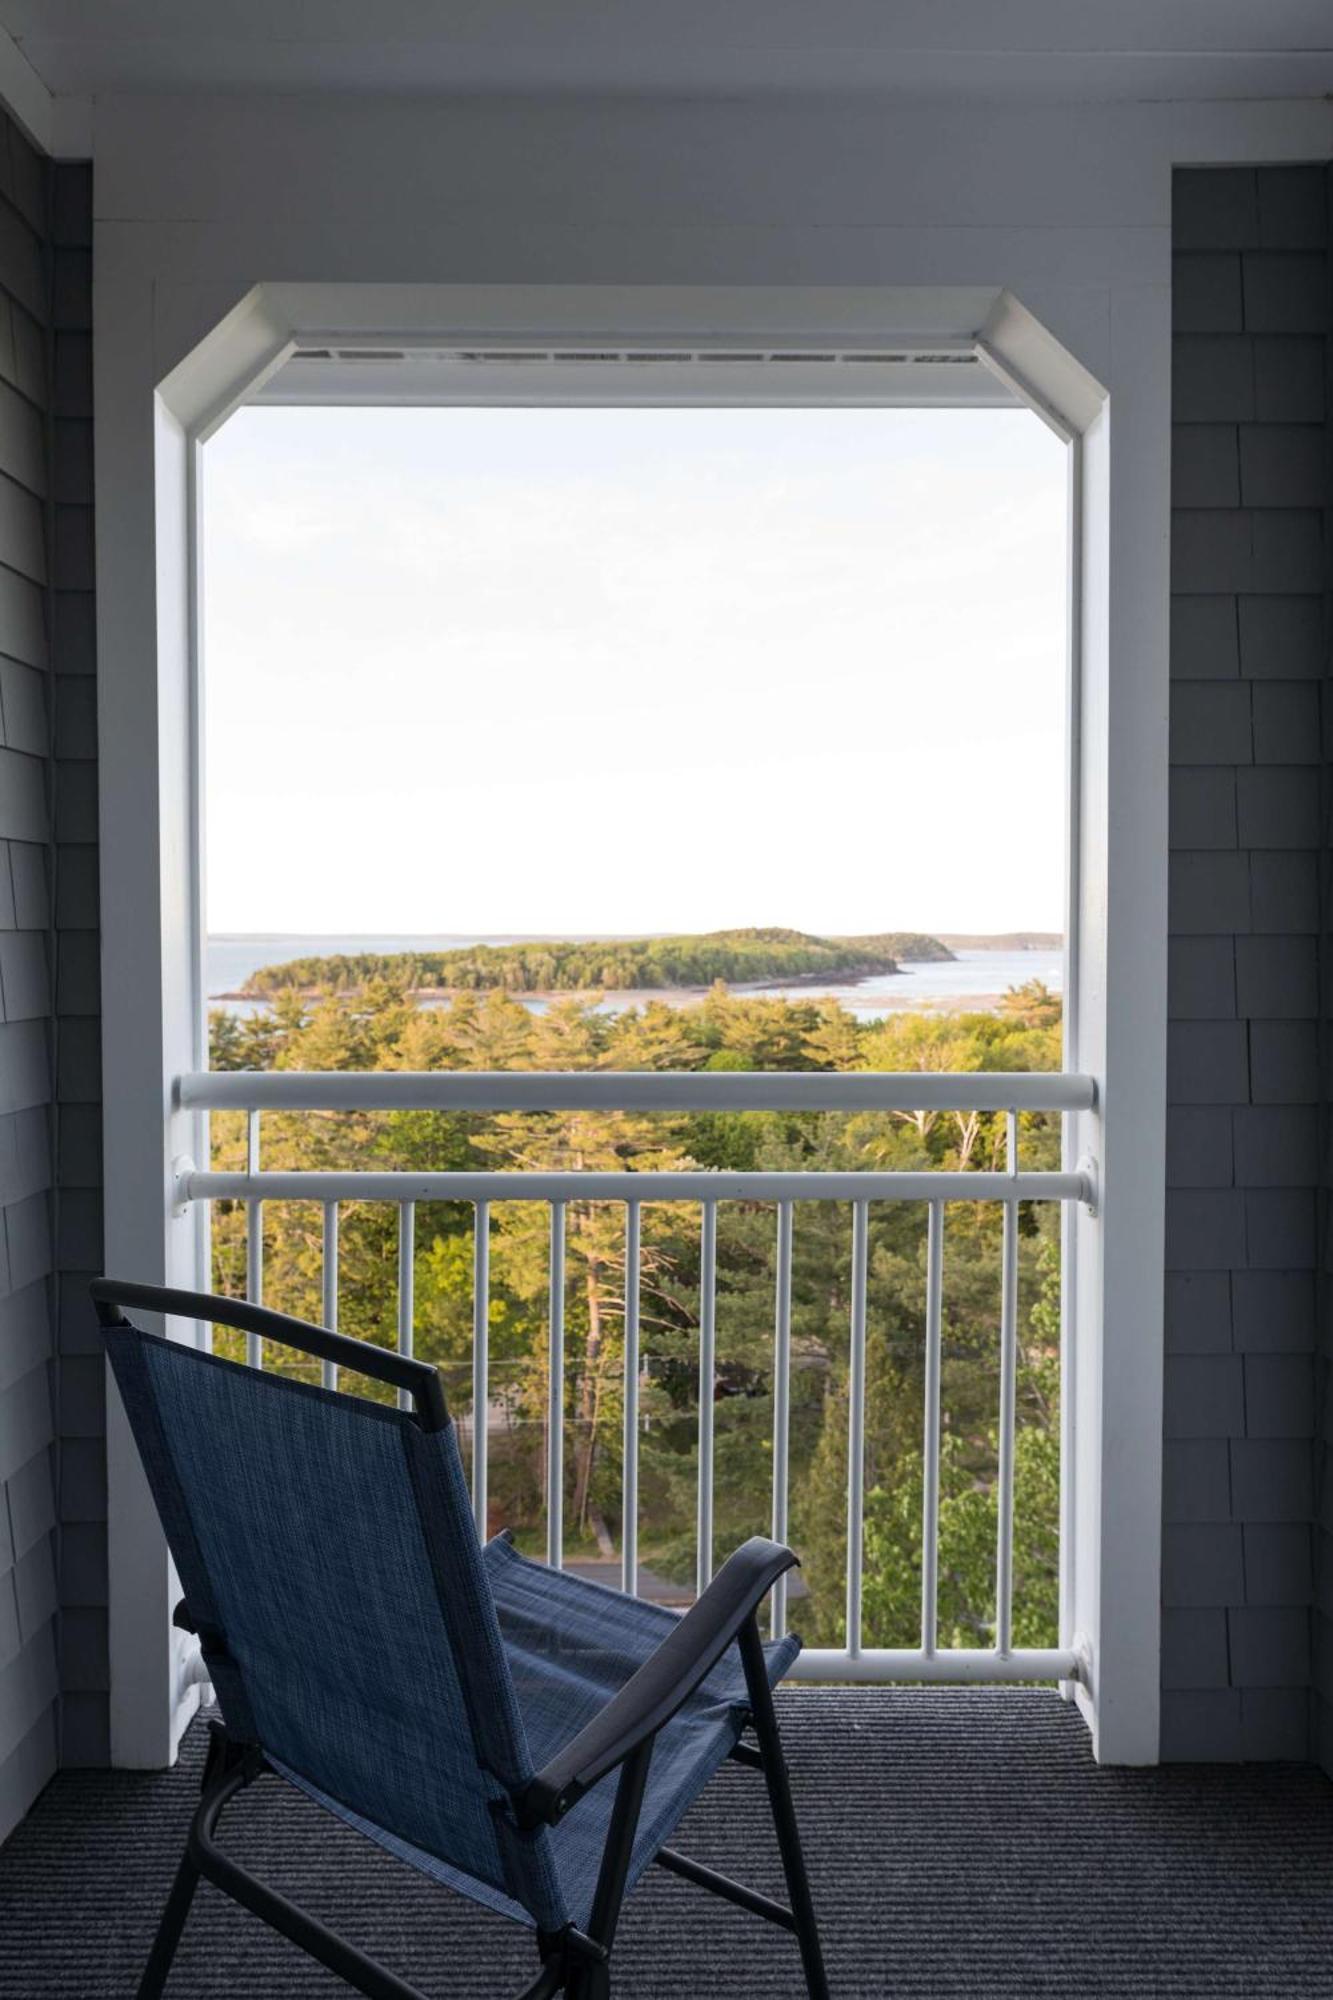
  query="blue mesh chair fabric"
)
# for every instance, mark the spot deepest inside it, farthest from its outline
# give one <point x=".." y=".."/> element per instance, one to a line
<point x="374" y="1672"/>
<point x="571" y="1645"/>
<point x="386" y="1664"/>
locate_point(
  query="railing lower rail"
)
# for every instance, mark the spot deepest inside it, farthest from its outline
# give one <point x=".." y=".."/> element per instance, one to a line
<point x="1010" y="1093"/>
<point x="334" y="1185"/>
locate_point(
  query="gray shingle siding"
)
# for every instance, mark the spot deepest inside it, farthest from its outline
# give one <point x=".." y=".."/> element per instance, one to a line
<point x="28" y="1438"/>
<point x="52" y="1454"/>
<point x="80" y="1376"/>
<point x="1249" y="656"/>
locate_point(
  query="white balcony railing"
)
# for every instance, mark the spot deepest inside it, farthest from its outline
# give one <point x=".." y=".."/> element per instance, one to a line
<point x="1010" y="1093"/>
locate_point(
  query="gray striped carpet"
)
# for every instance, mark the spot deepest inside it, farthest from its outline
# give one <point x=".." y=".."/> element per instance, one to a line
<point x="961" y="1843"/>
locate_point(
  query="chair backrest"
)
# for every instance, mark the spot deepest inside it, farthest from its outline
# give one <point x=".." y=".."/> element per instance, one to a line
<point x="329" y="1559"/>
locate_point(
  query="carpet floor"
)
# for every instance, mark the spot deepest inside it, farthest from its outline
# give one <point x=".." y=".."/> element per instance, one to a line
<point x="960" y="1842"/>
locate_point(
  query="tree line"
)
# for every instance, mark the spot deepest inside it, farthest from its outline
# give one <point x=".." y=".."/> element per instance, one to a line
<point x="380" y="1027"/>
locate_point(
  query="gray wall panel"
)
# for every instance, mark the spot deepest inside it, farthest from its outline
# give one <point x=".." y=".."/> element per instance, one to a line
<point x="22" y="440"/>
<point x="80" y="1376"/>
<point x="26" y="1770"/>
<point x="48" y="918"/>
<point x="1249" y="657"/>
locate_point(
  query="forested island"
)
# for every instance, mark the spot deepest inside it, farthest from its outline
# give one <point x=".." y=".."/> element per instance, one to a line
<point x="625" y="965"/>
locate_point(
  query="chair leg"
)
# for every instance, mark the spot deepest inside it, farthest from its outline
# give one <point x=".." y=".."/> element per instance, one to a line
<point x="589" y="1982"/>
<point x="589" y="1978"/>
<point x="765" y="1721"/>
<point x="169" y="1930"/>
<point x="549" y="1982"/>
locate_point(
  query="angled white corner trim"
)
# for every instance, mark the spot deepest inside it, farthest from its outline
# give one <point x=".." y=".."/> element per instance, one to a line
<point x="1029" y="359"/>
<point x="229" y="365"/>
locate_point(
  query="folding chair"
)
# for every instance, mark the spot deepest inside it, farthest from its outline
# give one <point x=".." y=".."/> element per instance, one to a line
<point x="514" y="1732"/>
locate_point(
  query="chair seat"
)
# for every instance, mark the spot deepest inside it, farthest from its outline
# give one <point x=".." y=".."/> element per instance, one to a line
<point x="571" y="1645"/>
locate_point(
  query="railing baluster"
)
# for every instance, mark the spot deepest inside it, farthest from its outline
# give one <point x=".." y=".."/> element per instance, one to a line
<point x="1008" y="1096"/>
<point x="254" y="1241"/>
<point x="703" y="1567"/>
<point x="930" y="1503"/>
<point x="856" y="1424"/>
<point x="407" y="1244"/>
<point x="481" y="1355"/>
<point x="781" y="1406"/>
<point x="555" y="1400"/>
<point x="329" y="1308"/>
<point x="629" y="1510"/>
<point x="1004" y="1554"/>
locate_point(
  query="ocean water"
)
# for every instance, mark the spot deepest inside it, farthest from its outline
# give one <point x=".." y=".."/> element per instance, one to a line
<point x="969" y="976"/>
<point x="970" y="979"/>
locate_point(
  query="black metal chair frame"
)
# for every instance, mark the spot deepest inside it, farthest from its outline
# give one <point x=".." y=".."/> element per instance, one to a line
<point x="621" y="1737"/>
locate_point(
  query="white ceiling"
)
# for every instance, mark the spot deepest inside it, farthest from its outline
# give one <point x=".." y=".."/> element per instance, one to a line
<point x="925" y="49"/>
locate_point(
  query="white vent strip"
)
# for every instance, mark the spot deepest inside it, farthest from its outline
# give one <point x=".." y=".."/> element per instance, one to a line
<point x="520" y="357"/>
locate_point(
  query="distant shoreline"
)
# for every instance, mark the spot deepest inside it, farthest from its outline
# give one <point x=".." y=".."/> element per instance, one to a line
<point x="436" y="996"/>
<point x="1002" y="940"/>
<point x="904" y="1001"/>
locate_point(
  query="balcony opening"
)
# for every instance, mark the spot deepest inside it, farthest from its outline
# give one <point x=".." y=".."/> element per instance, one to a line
<point x="701" y="721"/>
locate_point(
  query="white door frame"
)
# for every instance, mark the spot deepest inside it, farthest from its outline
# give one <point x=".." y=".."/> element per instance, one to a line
<point x="173" y="361"/>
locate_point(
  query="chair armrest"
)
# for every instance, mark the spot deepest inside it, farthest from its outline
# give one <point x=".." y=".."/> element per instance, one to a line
<point x="661" y="1686"/>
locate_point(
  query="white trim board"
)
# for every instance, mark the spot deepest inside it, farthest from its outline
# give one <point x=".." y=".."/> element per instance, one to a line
<point x="149" y="828"/>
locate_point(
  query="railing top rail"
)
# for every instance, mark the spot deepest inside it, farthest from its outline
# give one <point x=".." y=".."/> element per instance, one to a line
<point x="697" y="1185"/>
<point x="635" y="1090"/>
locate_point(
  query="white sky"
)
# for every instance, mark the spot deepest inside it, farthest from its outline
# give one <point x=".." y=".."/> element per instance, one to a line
<point x="570" y="670"/>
